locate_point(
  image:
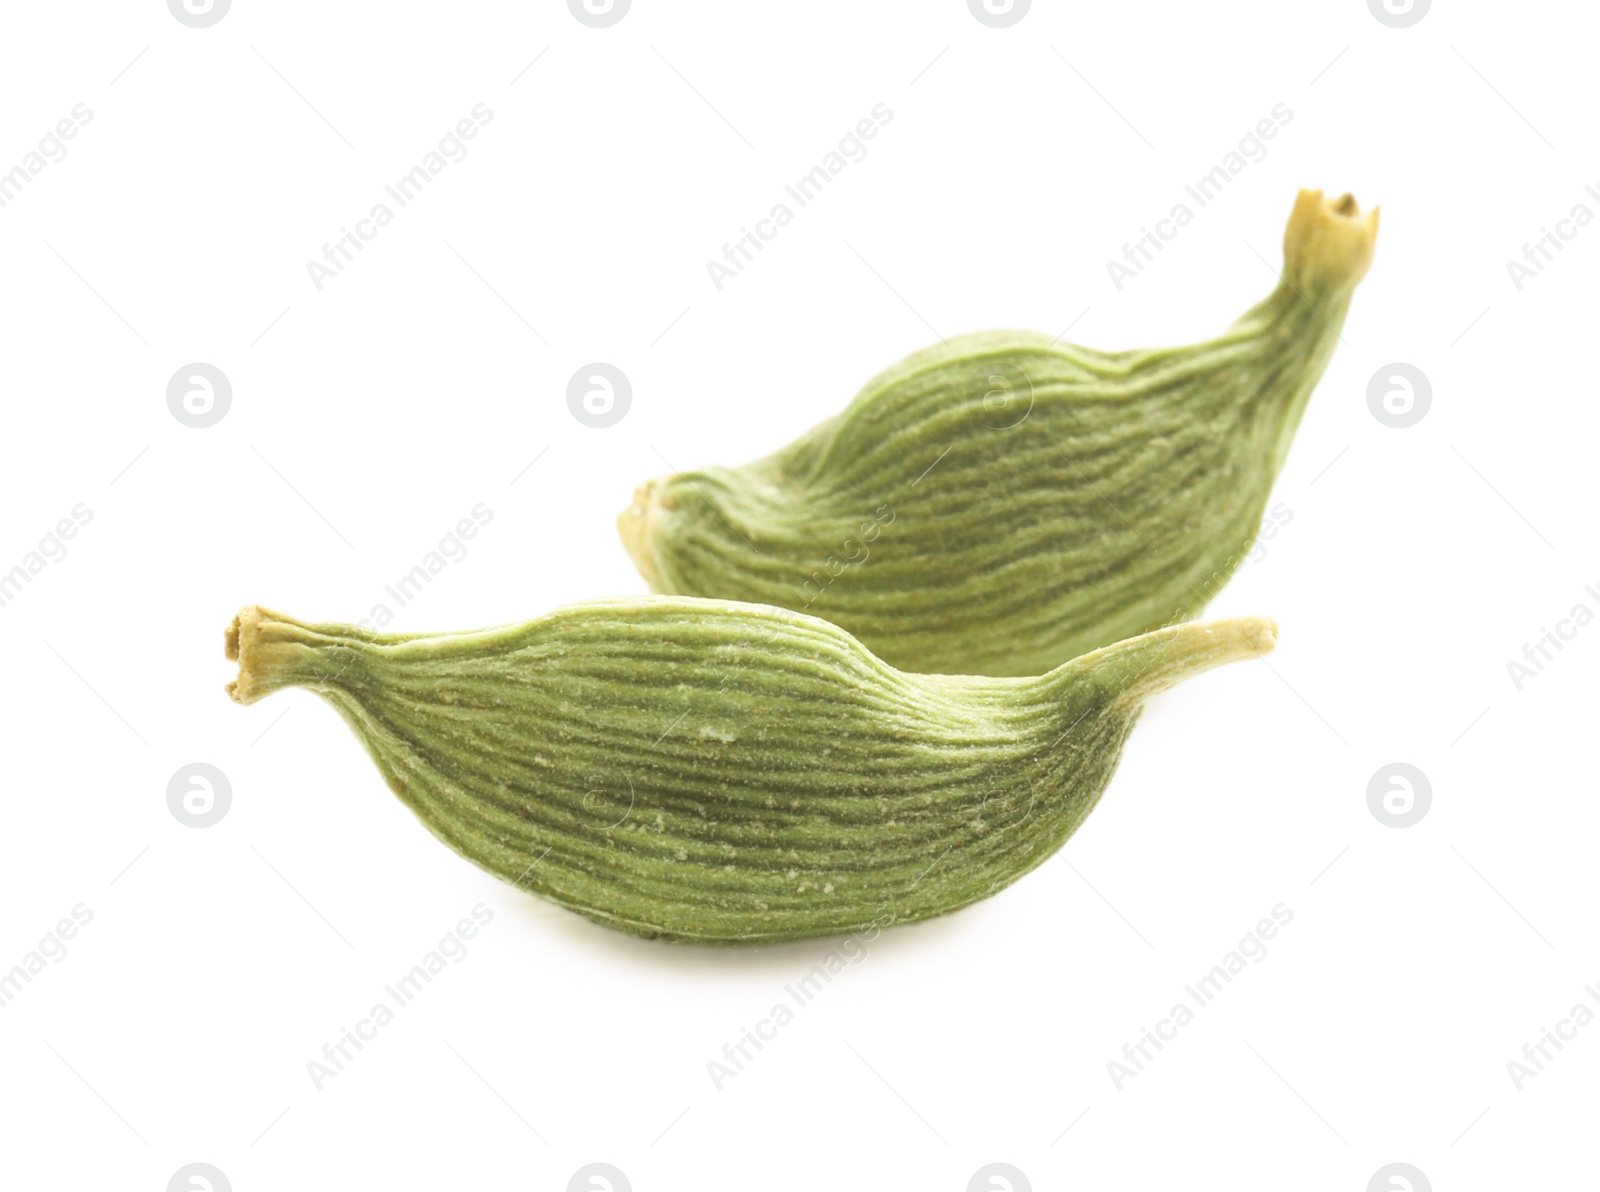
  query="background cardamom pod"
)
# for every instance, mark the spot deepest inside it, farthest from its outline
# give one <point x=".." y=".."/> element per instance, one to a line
<point x="721" y="773"/>
<point x="1001" y="503"/>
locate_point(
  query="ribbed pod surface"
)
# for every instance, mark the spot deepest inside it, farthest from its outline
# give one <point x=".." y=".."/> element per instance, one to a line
<point x="713" y="772"/>
<point x="1001" y="503"/>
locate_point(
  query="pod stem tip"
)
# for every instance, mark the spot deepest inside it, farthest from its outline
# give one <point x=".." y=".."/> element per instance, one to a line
<point x="636" y="525"/>
<point x="1141" y="666"/>
<point x="274" y="651"/>
<point x="1328" y="244"/>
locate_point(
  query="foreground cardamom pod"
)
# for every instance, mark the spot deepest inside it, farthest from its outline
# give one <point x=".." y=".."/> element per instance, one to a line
<point x="720" y="773"/>
<point x="1001" y="503"/>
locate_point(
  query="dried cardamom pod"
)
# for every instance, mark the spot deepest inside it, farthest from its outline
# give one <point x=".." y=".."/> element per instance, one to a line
<point x="1001" y="503"/>
<point x="720" y="773"/>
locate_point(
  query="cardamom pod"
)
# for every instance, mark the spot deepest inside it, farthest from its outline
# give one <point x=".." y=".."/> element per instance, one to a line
<point x="1001" y="502"/>
<point x="719" y="773"/>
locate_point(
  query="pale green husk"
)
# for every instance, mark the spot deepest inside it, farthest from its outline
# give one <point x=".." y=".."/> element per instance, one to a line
<point x="711" y="772"/>
<point x="1000" y="503"/>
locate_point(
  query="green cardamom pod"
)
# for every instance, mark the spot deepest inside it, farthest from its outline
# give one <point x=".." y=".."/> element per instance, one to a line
<point x="719" y="773"/>
<point x="1001" y="502"/>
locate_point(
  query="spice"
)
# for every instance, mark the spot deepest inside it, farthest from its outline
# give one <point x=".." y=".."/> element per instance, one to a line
<point x="720" y="773"/>
<point x="1000" y="503"/>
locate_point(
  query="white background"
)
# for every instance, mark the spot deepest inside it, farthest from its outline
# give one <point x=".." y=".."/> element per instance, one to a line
<point x="369" y="417"/>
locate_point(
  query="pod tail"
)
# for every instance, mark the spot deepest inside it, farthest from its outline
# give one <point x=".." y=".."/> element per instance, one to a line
<point x="1133" y="670"/>
<point x="1328" y="244"/>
